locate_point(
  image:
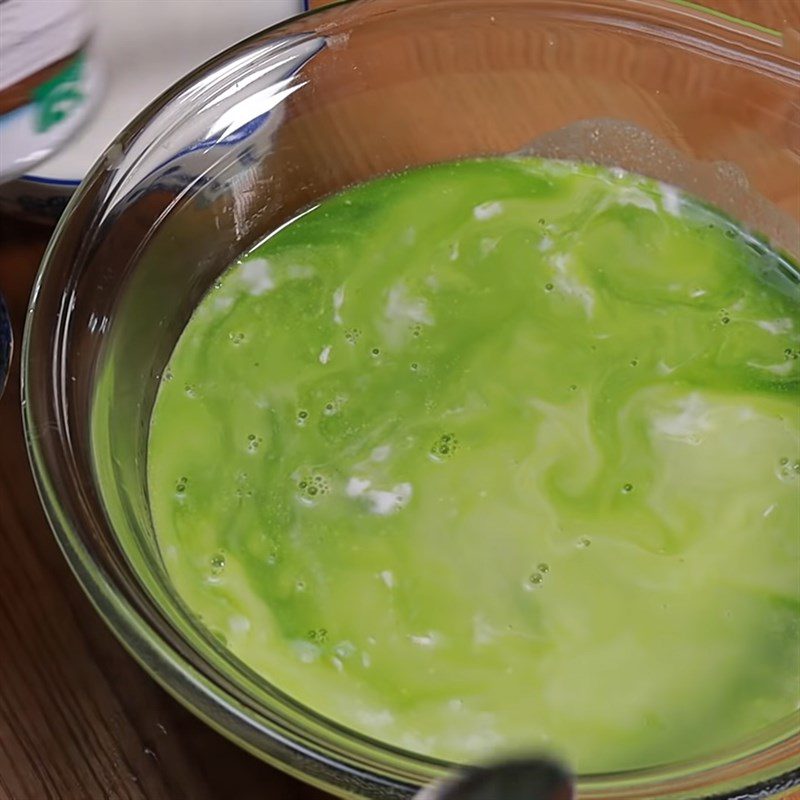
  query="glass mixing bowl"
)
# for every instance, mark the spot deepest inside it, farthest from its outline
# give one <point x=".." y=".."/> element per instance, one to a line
<point x="264" y="130"/>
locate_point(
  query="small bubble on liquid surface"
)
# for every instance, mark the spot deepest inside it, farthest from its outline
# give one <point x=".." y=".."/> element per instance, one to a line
<point x="217" y="564"/>
<point x="627" y="488"/>
<point x="535" y="578"/>
<point x="544" y="568"/>
<point x="352" y="335"/>
<point x="548" y="287"/>
<point x="334" y="406"/>
<point x="789" y="470"/>
<point x="302" y="417"/>
<point x="313" y="486"/>
<point x="317" y="635"/>
<point x="583" y="542"/>
<point x="444" y="447"/>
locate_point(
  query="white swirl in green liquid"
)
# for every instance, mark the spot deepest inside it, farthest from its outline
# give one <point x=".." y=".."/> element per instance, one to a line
<point x="495" y="455"/>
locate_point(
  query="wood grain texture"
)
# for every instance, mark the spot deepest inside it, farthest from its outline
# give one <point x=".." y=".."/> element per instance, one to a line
<point x="79" y="720"/>
<point x="778" y="14"/>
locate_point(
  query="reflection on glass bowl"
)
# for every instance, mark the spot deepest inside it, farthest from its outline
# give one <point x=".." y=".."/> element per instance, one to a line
<point x="5" y="344"/>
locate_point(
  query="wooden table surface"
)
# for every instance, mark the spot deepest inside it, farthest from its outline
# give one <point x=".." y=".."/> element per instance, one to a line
<point x="79" y="720"/>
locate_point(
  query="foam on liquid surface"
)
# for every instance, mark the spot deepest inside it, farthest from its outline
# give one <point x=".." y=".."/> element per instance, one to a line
<point x="493" y="455"/>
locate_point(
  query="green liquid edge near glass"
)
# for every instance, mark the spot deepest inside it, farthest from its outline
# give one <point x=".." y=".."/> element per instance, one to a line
<point x="495" y="456"/>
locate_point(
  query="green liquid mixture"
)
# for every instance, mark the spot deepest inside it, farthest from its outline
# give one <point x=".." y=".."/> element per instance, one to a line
<point x="494" y="455"/>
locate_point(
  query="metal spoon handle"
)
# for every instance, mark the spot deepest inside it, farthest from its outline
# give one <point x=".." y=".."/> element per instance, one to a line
<point x="523" y="779"/>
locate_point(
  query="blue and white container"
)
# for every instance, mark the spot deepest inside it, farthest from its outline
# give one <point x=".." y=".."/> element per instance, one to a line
<point x="49" y="81"/>
<point x="141" y="54"/>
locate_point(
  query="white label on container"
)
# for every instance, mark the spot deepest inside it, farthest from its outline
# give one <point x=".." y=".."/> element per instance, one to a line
<point x="37" y="33"/>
